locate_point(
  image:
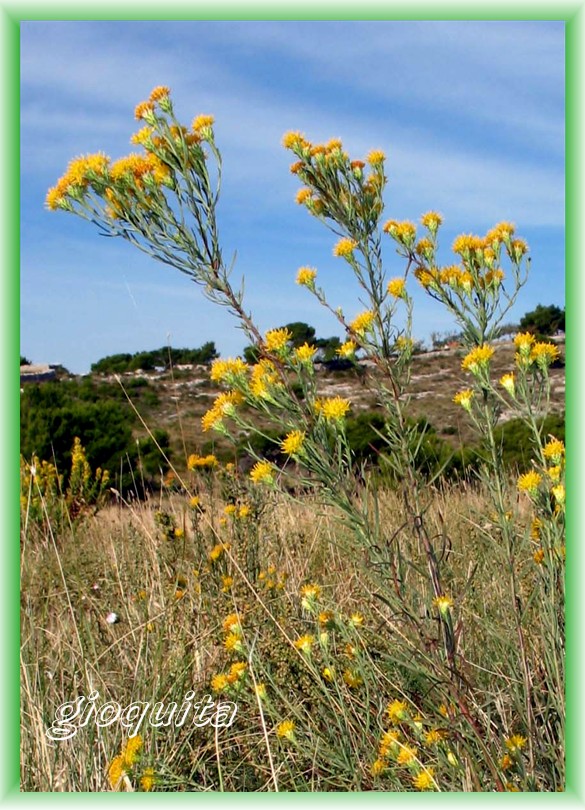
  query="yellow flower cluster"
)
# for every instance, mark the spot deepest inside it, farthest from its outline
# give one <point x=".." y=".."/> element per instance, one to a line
<point x="292" y="444"/>
<point x="362" y="323"/>
<point x="195" y="462"/>
<point x="228" y="371"/>
<point x="347" y="350"/>
<point x="234" y="677"/>
<point x="277" y="340"/>
<point x="403" y="232"/>
<point x="224" y="405"/>
<point x="397" y="287"/>
<point x="345" y="248"/>
<point x="218" y="550"/>
<point x="305" y="354"/>
<point x="464" y="398"/>
<point x="124" y="762"/>
<point x="530" y="482"/>
<point x="286" y="730"/>
<point x="262" y="473"/>
<point x="304" y="643"/>
<point x="333" y="409"/>
<point x="263" y="377"/>
<point x="478" y="359"/>
<point x="306" y="277"/>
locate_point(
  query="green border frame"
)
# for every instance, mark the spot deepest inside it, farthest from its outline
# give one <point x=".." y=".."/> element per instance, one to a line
<point x="11" y="14"/>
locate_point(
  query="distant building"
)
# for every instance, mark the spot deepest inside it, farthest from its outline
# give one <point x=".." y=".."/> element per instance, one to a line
<point x="37" y="373"/>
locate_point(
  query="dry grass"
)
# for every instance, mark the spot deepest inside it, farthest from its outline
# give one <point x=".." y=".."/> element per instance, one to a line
<point x="163" y="645"/>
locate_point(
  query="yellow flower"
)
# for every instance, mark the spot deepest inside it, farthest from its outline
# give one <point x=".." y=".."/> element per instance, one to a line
<point x="494" y="278"/>
<point x="425" y="780"/>
<point x="397" y="287"/>
<point x="389" y="743"/>
<point x="518" y="248"/>
<point x="329" y="674"/>
<point x="362" y="323"/>
<point x="428" y="278"/>
<point x="147" y="780"/>
<point x="406" y="755"/>
<point x="237" y="671"/>
<point x="378" y="767"/>
<point x="347" y="349"/>
<point x="305" y="354"/>
<point x="544" y="354"/>
<point x="306" y="276"/>
<point x="477" y="359"/>
<point x="397" y="712"/>
<point x="179" y="533"/>
<point x="516" y="743"/>
<point x="194" y="501"/>
<point x="334" y="409"/>
<point x="303" y="194"/>
<point x="293" y="443"/>
<point x="538" y="556"/>
<point x="304" y="643"/>
<point x="276" y="340"/>
<point x="535" y="528"/>
<point x="524" y="342"/>
<point x="442" y="603"/>
<point x="218" y="550"/>
<point x="507" y="382"/>
<point x="244" y="511"/>
<point x="233" y="643"/>
<point x="356" y="619"/>
<point x="506" y="762"/>
<point x="219" y="682"/>
<point x="559" y="494"/>
<point x="529" y="482"/>
<point x="116" y="772"/>
<point x="131" y="750"/>
<point x="467" y="244"/>
<point x="404" y="232"/>
<point x="144" y="110"/>
<point x="554" y="450"/>
<point x="228" y="370"/>
<point x="425" y="249"/>
<point x="376" y="157"/>
<point x="434" y="736"/>
<point x="352" y="679"/>
<point x="431" y="220"/>
<point x="345" y="248"/>
<point x="286" y="730"/>
<point x="231" y="624"/>
<point x="500" y="232"/>
<point x="464" y="398"/>
<point x="226" y="583"/>
<point x="262" y="473"/>
<point x="260" y="690"/>
<point x="195" y="462"/>
<point x="294" y="141"/>
<point x="554" y="473"/>
<point x="158" y="93"/>
<point x="202" y="123"/>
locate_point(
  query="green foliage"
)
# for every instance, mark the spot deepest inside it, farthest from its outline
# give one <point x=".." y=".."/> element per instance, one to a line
<point x="24" y="361"/>
<point x="165" y="357"/>
<point x="514" y="438"/>
<point x="54" y="413"/>
<point x="544" y="321"/>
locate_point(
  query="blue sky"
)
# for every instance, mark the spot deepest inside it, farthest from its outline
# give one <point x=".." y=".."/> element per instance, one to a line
<point x="470" y="116"/>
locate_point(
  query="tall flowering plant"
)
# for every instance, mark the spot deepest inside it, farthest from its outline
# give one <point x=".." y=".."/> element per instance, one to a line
<point x="164" y="201"/>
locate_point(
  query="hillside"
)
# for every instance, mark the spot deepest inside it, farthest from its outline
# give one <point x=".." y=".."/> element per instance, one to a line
<point x="184" y="393"/>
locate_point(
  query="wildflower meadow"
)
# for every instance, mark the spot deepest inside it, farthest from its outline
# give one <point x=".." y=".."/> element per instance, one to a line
<point x="378" y="629"/>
